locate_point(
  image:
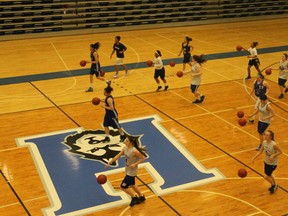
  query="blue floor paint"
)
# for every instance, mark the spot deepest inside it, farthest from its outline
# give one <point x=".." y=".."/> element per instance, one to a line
<point x="107" y="69"/>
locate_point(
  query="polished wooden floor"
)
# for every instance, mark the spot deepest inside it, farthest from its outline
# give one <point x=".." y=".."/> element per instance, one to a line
<point x="209" y="131"/>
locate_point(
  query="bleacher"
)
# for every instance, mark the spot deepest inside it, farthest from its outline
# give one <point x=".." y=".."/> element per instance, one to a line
<point x="21" y="17"/>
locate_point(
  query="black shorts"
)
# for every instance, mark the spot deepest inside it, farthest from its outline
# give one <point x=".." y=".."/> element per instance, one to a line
<point x="268" y="169"/>
<point x="262" y="126"/>
<point x="194" y="88"/>
<point x="128" y="181"/>
<point x="254" y="62"/>
<point x="110" y="121"/>
<point x="281" y="82"/>
<point x="187" y="58"/>
<point x="94" y="70"/>
<point x="160" y="73"/>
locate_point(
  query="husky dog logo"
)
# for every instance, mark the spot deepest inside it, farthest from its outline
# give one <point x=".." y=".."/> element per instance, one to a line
<point x="91" y="145"/>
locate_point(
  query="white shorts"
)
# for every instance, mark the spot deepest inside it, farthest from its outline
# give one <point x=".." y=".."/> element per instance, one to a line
<point x="119" y="61"/>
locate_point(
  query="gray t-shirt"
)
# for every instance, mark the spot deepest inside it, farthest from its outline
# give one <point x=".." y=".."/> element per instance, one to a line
<point x="130" y="158"/>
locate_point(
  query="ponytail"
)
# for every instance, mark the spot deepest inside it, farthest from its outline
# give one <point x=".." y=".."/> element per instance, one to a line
<point x="135" y="143"/>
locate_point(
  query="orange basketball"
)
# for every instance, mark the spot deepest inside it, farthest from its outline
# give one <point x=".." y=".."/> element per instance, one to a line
<point x="101" y="179"/>
<point x="149" y="63"/>
<point x="172" y="64"/>
<point x="268" y="71"/>
<point x="102" y="73"/>
<point x="82" y="63"/>
<point x="180" y="73"/>
<point x="96" y="101"/>
<point x="240" y="114"/>
<point x="242" y="122"/>
<point x="242" y="173"/>
<point x="239" y="47"/>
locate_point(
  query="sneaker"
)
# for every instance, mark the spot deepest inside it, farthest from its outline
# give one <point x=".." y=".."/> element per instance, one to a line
<point x="259" y="147"/>
<point x="90" y="89"/>
<point x="108" y="82"/>
<point x="202" y="98"/>
<point x="122" y="138"/>
<point x="197" y="101"/>
<point x="107" y="139"/>
<point x="135" y="200"/>
<point x="271" y="188"/>
<point x="274" y="188"/>
<point x="286" y="90"/>
<point x="251" y="121"/>
<point x="248" y="77"/>
<point x="159" y="87"/>
<point x="166" y="87"/>
<point x="281" y="96"/>
<point x="115" y="76"/>
<point x="142" y="198"/>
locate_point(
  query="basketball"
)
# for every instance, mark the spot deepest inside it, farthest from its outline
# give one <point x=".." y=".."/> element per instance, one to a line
<point x="268" y="71"/>
<point x="96" y="101"/>
<point x="242" y="122"/>
<point x="172" y="64"/>
<point x="149" y="63"/>
<point x="239" y="48"/>
<point x="180" y="73"/>
<point x="240" y="114"/>
<point x="102" y="73"/>
<point x="242" y="173"/>
<point x="101" y="179"/>
<point x="82" y="63"/>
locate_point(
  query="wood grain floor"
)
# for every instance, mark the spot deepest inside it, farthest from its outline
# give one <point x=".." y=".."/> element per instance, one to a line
<point x="208" y="131"/>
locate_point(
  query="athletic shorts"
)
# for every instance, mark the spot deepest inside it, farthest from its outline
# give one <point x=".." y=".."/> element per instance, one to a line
<point x="93" y="70"/>
<point x="262" y="126"/>
<point x="111" y="122"/>
<point x="159" y="73"/>
<point x="128" y="181"/>
<point x="254" y="62"/>
<point x="187" y="58"/>
<point x="268" y="169"/>
<point x="281" y="82"/>
<point x="194" y="88"/>
<point x="119" y="61"/>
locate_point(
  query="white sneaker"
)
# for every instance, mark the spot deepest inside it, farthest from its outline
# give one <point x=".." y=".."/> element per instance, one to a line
<point x="115" y="76"/>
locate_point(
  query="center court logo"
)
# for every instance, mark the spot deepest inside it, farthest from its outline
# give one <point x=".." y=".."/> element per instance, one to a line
<point x="89" y="144"/>
<point x="69" y="161"/>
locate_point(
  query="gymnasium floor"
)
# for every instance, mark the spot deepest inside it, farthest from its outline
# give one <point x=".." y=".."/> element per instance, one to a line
<point x="42" y="94"/>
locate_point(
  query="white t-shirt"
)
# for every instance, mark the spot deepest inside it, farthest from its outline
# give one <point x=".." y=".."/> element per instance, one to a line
<point x="196" y="79"/>
<point x="253" y="52"/>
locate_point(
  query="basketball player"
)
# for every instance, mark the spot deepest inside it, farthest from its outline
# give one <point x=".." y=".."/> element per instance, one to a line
<point x="186" y="49"/>
<point x="95" y="66"/>
<point x="196" y="77"/>
<point x="272" y="151"/>
<point x="120" y="49"/>
<point x="283" y="75"/>
<point x="265" y="117"/>
<point x="260" y="87"/>
<point x="159" y="70"/>
<point x="111" y="115"/>
<point x="134" y="155"/>
<point x="253" y="59"/>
